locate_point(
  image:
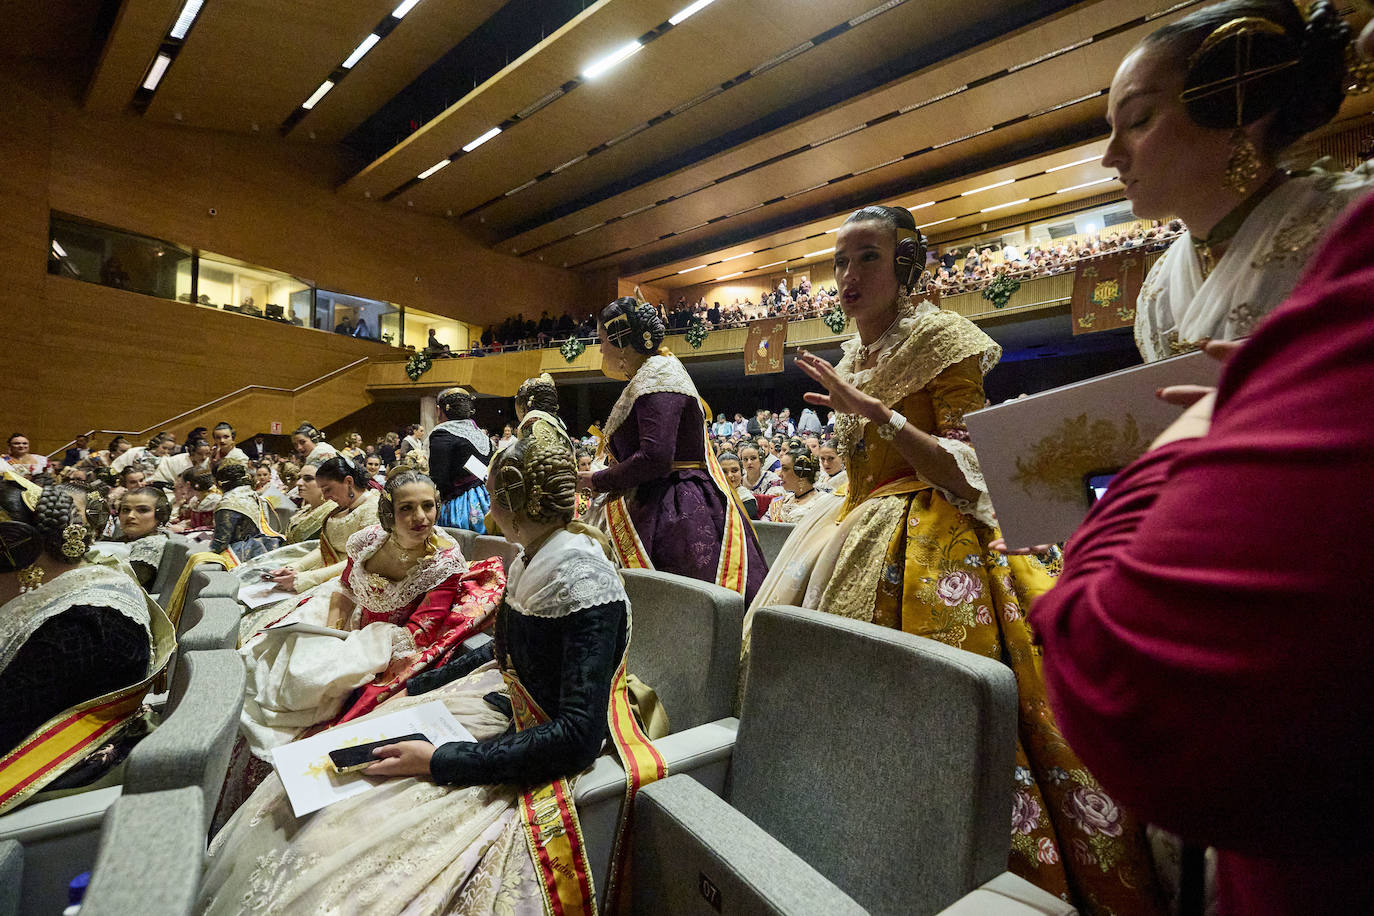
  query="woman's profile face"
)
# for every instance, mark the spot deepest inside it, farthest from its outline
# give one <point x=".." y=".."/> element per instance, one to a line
<point x="302" y="444"/>
<point x="1164" y="160"/>
<point x="789" y="478"/>
<point x="342" y="492"/>
<point x="416" y="507"/>
<point x="864" y="253"/>
<point x="309" y="487"/>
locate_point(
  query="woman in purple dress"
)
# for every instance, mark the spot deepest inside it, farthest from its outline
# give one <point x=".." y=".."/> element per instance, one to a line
<point x="668" y="505"/>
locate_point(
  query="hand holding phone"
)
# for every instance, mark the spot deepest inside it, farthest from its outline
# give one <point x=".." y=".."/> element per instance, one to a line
<point x="349" y="759"/>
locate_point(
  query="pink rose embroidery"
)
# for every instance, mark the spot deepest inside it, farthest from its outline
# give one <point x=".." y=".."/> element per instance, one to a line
<point x="1082" y="852"/>
<point x="1045" y="851"/>
<point x="1011" y="613"/>
<point x="1025" y="813"/>
<point x="1093" y="812"/>
<point x="957" y="587"/>
<point x="984" y="616"/>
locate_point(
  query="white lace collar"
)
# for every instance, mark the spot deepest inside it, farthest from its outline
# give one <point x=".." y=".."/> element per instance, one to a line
<point x="568" y="574"/>
<point x="379" y="594"/>
<point x="95" y="586"/>
<point x="463" y="429"/>
<point x="659" y="373"/>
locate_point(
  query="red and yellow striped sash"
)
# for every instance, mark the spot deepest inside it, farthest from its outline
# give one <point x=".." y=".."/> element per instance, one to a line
<point x="64" y="740"/>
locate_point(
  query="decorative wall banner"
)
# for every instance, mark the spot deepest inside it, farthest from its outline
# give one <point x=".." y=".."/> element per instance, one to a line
<point x="1105" y="290"/>
<point x="763" y="348"/>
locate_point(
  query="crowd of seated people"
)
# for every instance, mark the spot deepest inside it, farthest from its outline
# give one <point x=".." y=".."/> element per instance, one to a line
<point x="1196" y="663"/>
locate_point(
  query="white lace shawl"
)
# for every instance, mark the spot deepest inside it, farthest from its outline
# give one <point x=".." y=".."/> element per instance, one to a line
<point x="929" y="341"/>
<point x="321" y="453"/>
<point x="381" y="595"/>
<point x="659" y="373"/>
<point x="463" y="429"/>
<point x="568" y="574"/>
<point x="245" y="501"/>
<point x="148" y="549"/>
<point x="1177" y="307"/>
<point x="96" y="586"/>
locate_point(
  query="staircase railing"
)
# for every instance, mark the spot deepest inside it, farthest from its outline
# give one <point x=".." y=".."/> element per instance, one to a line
<point x="208" y="404"/>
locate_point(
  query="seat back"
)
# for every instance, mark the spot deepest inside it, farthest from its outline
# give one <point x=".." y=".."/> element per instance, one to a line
<point x="210" y="623"/>
<point x="152" y="850"/>
<point x="281" y="518"/>
<point x="209" y="581"/>
<point x="191" y="748"/>
<point x="772" y="535"/>
<point x="11" y="876"/>
<point x="881" y="758"/>
<point x="685" y="644"/>
<point x="174" y="556"/>
<point x="485" y="545"/>
<point x="465" y="539"/>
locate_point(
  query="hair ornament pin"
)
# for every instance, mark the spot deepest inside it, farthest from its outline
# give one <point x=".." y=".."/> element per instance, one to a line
<point x="74" y="541"/>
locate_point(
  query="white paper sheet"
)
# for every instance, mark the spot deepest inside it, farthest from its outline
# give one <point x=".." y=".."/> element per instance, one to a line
<point x="311" y="782"/>
<point x="307" y="628"/>
<point x="262" y="593"/>
<point x="476" y="467"/>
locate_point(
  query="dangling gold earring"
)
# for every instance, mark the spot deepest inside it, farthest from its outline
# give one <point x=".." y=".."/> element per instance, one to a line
<point x="1244" y="165"/>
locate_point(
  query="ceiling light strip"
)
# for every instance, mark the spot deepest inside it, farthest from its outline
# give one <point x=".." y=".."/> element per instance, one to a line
<point x="985" y="80"/>
<point x="363" y="47"/>
<point x="683" y="14"/>
<point x="1069" y="165"/>
<point x="185" y="19"/>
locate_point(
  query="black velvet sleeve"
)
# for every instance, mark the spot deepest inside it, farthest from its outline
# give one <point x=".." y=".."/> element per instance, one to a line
<point x="80" y="654"/>
<point x="451" y="670"/>
<point x="229" y="529"/>
<point x="570" y="741"/>
<point x="448" y="454"/>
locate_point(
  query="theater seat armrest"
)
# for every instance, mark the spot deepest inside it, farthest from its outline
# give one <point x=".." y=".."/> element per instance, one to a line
<point x="693" y="853"/>
<point x="1008" y="895"/>
<point x="704" y="752"/>
<point x="152" y="851"/>
<point x="473" y="643"/>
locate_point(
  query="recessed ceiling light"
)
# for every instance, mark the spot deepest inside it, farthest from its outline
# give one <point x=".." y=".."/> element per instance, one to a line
<point x="738" y="273"/>
<point x="318" y="94"/>
<point x="482" y="139"/>
<point x="1086" y="184"/>
<point x="690" y="269"/>
<point x="610" y="60"/>
<point x="812" y="254"/>
<point x="1069" y="165"/>
<point x="433" y="168"/>
<point x="405" y="7"/>
<point x="362" y="48"/>
<point x="774" y="264"/>
<point x="947" y="219"/>
<point x="929" y="203"/>
<point x="155" y="72"/>
<point x="734" y="256"/>
<point x="988" y="187"/>
<point x="58" y="249"/>
<point x="836" y="229"/>
<point x="1010" y="203"/>
<point x="188" y="15"/>
<point x="682" y="14"/>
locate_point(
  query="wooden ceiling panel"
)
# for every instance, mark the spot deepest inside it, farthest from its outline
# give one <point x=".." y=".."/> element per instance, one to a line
<point x="1059" y="80"/>
<point x="255" y="61"/>
<point x="929" y="125"/>
<point x="665" y="74"/>
<point x="426" y="33"/>
<point x="600" y="29"/>
<point x="738" y="50"/>
<point x="131" y="46"/>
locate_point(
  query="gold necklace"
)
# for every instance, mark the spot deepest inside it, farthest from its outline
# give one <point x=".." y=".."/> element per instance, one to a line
<point x="408" y="557"/>
<point x="865" y="350"/>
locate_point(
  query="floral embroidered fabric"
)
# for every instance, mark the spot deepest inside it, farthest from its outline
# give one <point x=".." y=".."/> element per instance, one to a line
<point x="381" y="595"/>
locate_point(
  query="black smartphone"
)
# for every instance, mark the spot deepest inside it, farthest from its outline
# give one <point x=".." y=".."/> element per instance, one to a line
<point x="348" y="759"/>
<point x="1096" y="483"/>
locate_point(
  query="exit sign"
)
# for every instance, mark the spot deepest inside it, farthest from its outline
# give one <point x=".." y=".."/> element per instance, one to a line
<point x="276" y="427"/>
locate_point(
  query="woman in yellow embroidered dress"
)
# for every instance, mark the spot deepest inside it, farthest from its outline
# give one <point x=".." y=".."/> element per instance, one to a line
<point x="908" y="547"/>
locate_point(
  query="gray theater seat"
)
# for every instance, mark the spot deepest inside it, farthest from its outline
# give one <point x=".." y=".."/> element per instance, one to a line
<point x="174" y="557"/>
<point x="465" y="539"/>
<point x="210" y="623"/>
<point x="486" y="545"/>
<point x="209" y="581"/>
<point x="191" y="747"/>
<point x="685" y="644"/>
<point x="860" y="749"/>
<point x="772" y="535"/>
<point x="11" y="876"/>
<point x="152" y="852"/>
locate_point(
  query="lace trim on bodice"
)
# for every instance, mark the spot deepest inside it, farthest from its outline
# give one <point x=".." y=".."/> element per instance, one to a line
<point x="93" y="586"/>
<point x="463" y="429"/>
<point x="658" y="374"/>
<point x="570" y="574"/>
<point x="929" y="340"/>
<point x="381" y="595"/>
<point x="148" y="550"/>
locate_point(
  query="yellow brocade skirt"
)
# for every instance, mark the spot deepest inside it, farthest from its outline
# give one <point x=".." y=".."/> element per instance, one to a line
<point x="910" y="560"/>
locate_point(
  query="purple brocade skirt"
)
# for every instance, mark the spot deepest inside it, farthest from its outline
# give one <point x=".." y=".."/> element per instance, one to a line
<point x="680" y="519"/>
